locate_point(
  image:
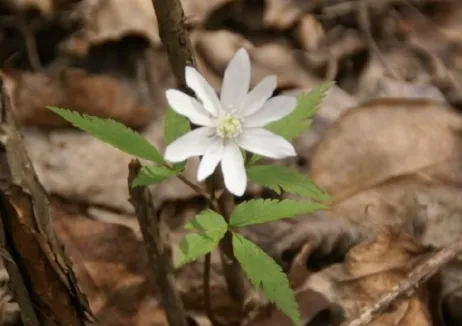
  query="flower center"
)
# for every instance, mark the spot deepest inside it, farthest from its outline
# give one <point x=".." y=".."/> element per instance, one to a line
<point x="228" y="126"/>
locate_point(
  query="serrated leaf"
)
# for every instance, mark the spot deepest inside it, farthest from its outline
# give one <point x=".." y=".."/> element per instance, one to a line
<point x="264" y="272"/>
<point x="175" y="125"/>
<point x="298" y="120"/>
<point x="278" y="178"/>
<point x="195" y="245"/>
<point x="211" y="227"/>
<point x="208" y="222"/>
<point x="112" y="132"/>
<point x="154" y="174"/>
<point x="257" y="211"/>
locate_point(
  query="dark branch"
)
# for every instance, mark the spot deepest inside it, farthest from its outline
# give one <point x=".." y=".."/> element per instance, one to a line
<point x="155" y="235"/>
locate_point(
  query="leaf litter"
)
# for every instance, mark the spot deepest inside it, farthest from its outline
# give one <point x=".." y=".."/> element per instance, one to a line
<point x="385" y="145"/>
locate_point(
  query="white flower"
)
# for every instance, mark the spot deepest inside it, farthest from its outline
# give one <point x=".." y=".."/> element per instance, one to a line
<point x="234" y="121"/>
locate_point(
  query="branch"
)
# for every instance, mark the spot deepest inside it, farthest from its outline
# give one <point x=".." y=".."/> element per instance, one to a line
<point x="407" y="287"/>
<point x="170" y="17"/>
<point x="41" y="274"/>
<point x="155" y="234"/>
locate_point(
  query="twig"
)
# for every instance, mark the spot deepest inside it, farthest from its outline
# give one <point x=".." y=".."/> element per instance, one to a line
<point x="170" y="16"/>
<point x="159" y="252"/>
<point x="31" y="45"/>
<point x="207" y="296"/>
<point x="408" y="286"/>
<point x="200" y="191"/>
<point x="365" y="26"/>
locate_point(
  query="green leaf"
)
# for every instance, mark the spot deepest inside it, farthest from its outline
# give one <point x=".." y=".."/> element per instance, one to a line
<point x="112" y="132"/>
<point x="194" y="245"/>
<point x="208" y="222"/>
<point x="175" y="126"/>
<point x="298" y="120"/>
<point x="154" y="174"/>
<point x="211" y="228"/>
<point x="263" y="272"/>
<point x="257" y="211"/>
<point x="278" y="178"/>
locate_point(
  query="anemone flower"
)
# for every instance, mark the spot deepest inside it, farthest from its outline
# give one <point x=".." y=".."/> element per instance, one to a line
<point x="230" y="123"/>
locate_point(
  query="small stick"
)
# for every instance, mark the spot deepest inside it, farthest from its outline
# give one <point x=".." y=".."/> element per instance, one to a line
<point x="365" y="26"/>
<point x="207" y="296"/>
<point x="159" y="252"/>
<point x="407" y="287"/>
<point x="31" y="45"/>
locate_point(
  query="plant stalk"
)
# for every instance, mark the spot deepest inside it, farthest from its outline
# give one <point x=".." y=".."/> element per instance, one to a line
<point x="174" y="36"/>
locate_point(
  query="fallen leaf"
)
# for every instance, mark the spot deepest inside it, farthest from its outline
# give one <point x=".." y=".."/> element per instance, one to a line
<point x="371" y="269"/>
<point x="400" y="166"/>
<point x="76" y="89"/>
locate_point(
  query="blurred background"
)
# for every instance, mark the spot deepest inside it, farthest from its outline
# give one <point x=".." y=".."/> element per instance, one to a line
<point x="386" y="142"/>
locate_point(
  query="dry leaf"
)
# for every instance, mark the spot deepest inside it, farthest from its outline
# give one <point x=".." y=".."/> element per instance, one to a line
<point x="384" y="139"/>
<point x="75" y="89"/>
<point x="371" y="269"/>
<point x="400" y="166"/>
<point x="112" y="269"/>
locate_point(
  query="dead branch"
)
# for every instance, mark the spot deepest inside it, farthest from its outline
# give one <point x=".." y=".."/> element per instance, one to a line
<point x="408" y="286"/>
<point x="365" y="26"/>
<point x="155" y="235"/>
<point x="41" y="274"/>
<point x="174" y="36"/>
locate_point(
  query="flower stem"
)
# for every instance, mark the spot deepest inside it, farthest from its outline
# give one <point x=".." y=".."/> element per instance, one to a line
<point x="232" y="271"/>
<point x="207" y="299"/>
<point x="200" y="191"/>
<point x="174" y="36"/>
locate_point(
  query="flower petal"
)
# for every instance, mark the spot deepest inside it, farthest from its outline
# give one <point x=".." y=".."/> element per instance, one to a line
<point x="210" y="160"/>
<point x="232" y="166"/>
<point x="188" y="106"/>
<point x="257" y="97"/>
<point x="275" y="109"/>
<point x="236" y="80"/>
<point x="203" y="91"/>
<point x="194" y="143"/>
<point x="263" y="142"/>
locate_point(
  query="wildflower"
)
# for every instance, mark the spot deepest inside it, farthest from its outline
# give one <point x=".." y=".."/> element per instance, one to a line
<point x="235" y="121"/>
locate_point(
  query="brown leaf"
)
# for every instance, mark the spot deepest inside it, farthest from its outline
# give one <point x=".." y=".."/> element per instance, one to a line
<point x="111" y="267"/>
<point x="406" y="75"/>
<point x="108" y="20"/>
<point x="216" y="49"/>
<point x="372" y="144"/>
<point x="76" y="89"/>
<point x="400" y="166"/>
<point x="45" y="7"/>
<point x="309" y="32"/>
<point x="371" y="269"/>
<point x="281" y="13"/>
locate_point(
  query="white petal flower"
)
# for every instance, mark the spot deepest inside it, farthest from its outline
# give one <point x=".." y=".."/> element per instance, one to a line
<point x="234" y="121"/>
